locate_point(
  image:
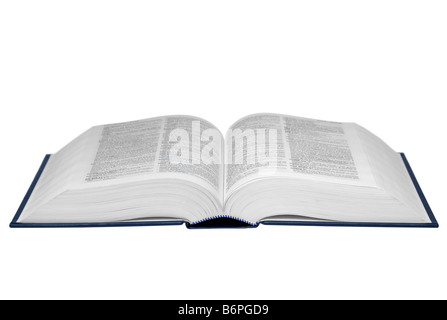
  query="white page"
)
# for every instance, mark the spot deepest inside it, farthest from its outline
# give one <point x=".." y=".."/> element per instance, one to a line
<point x="144" y="148"/>
<point x="306" y="148"/>
<point x="126" y="152"/>
<point x="344" y="158"/>
<point x="242" y="150"/>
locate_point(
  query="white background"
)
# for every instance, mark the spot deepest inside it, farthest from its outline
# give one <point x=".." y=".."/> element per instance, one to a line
<point x="68" y="65"/>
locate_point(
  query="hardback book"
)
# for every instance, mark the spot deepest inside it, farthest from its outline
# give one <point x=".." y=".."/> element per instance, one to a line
<point x="269" y="169"/>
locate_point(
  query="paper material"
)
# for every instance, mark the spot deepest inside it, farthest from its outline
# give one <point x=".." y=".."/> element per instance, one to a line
<point x="324" y="170"/>
<point x="146" y="146"/>
<point x="112" y="155"/>
<point x="306" y="148"/>
<point x="179" y="167"/>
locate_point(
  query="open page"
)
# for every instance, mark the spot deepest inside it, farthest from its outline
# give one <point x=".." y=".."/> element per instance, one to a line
<point x="263" y="145"/>
<point x="279" y="166"/>
<point x="170" y="147"/>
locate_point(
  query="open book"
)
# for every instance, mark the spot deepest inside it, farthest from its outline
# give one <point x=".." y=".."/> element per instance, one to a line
<point x="269" y="168"/>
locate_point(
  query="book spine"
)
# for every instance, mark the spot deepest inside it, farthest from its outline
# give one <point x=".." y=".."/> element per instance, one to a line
<point x="223" y="216"/>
